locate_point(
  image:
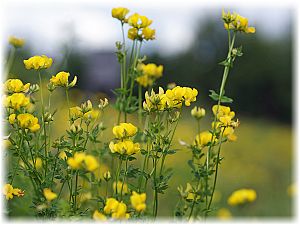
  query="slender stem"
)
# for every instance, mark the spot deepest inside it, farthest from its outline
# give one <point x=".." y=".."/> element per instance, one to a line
<point x="140" y="104"/>
<point x="10" y="61"/>
<point x="125" y="175"/>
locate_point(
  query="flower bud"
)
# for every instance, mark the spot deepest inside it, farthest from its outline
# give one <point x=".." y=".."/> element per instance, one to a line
<point x="48" y="117"/>
<point x="51" y="87"/>
<point x="73" y="83"/>
<point x="86" y="106"/>
<point x="198" y="112"/>
<point x="103" y="104"/>
<point x="34" y="88"/>
<point x="75" y="128"/>
<point x="107" y="176"/>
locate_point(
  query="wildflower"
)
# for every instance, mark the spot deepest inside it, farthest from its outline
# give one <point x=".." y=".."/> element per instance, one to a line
<point x="15" y="86"/>
<point x="204" y="138"/>
<point x="16" y="101"/>
<point x="38" y="163"/>
<point x="49" y="195"/>
<point x="28" y="121"/>
<point x="124" y="130"/>
<point x="106" y="176"/>
<point x="221" y="111"/>
<point x="119" y="13"/>
<point x="9" y="191"/>
<point x="151" y="69"/>
<point x="86" y="106"/>
<point x="93" y="114"/>
<point x="139" y="21"/>
<point x="61" y="79"/>
<point x="16" y="42"/>
<point x="236" y="22"/>
<point x="76" y="161"/>
<point x="38" y="62"/>
<point x="133" y="33"/>
<point x="241" y="196"/>
<point x="99" y="216"/>
<point x="120" y="212"/>
<point x="110" y="205"/>
<point x="91" y="163"/>
<point x="103" y="104"/>
<point x="124" y="147"/>
<point x="12" y="118"/>
<point x="120" y="187"/>
<point x="138" y="201"/>
<point x="178" y="95"/>
<point x="155" y="101"/>
<point x="229" y="133"/>
<point x="148" y="33"/>
<point x="75" y="113"/>
<point x="224" y="214"/>
<point x="198" y="112"/>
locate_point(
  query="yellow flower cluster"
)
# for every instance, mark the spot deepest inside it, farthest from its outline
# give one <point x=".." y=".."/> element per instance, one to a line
<point x="16" y="42"/>
<point x="138" y="201"/>
<point x="173" y="98"/>
<point x="225" y="116"/>
<point x="242" y="196"/>
<point x="62" y="79"/>
<point x="140" y="29"/>
<point x="86" y="112"/>
<point x="15" y="86"/>
<point x="49" y="195"/>
<point x="25" y="121"/>
<point x="205" y="138"/>
<point x="124" y="145"/>
<point x="150" y="72"/>
<point x="116" y="209"/>
<point x="236" y="22"/>
<point x="81" y="160"/>
<point x="9" y="191"/>
<point x="38" y="62"/>
<point x="16" y="101"/>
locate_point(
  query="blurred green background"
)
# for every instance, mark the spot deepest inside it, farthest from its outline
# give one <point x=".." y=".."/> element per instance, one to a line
<point x="260" y="84"/>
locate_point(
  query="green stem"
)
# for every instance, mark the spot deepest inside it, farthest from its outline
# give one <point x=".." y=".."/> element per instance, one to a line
<point x="140" y="104"/>
<point x="125" y="175"/>
<point x="10" y="62"/>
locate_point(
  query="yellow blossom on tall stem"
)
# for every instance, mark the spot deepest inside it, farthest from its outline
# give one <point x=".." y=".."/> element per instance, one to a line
<point x="62" y="79"/>
<point x="16" y="101"/>
<point x="38" y="62"/>
<point x="16" y="42"/>
<point x="15" y="86"/>
<point x="138" y="201"/>
<point x="9" y="191"/>
<point x="119" y="13"/>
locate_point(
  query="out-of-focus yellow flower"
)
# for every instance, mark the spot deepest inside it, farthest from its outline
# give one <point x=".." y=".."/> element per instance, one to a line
<point x="116" y="209"/>
<point x="119" y="13"/>
<point x="124" y="147"/>
<point x="236" y="22"/>
<point x="99" y="216"/>
<point x="151" y="69"/>
<point x="12" y="118"/>
<point x="16" y="42"/>
<point x="139" y="21"/>
<point x="124" y="130"/>
<point x="75" y="113"/>
<point x="91" y="163"/>
<point x="198" y="112"/>
<point x="148" y="33"/>
<point x="229" y="133"/>
<point x="38" y="62"/>
<point x="242" y="196"/>
<point x="16" y="101"/>
<point x="107" y="175"/>
<point x="85" y="196"/>
<point x="62" y="155"/>
<point x="76" y="161"/>
<point x="119" y="187"/>
<point x="133" y="33"/>
<point x="224" y="214"/>
<point x="49" y="195"/>
<point x="111" y="205"/>
<point x="15" y="86"/>
<point x="38" y="163"/>
<point x="28" y="121"/>
<point x="100" y="171"/>
<point x="204" y="138"/>
<point x="62" y="79"/>
<point x="138" y="201"/>
<point x="9" y="191"/>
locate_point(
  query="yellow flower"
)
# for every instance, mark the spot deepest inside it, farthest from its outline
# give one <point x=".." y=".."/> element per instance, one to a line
<point x="151" y="69"/>
<point x="12" y="118"/>
<point x="144" y="80"/>
<point x="28" y="121"/>
<point x="155" y="101"/>
<point x="198" y="112"/>
<point x="139" y="21"/>
<point x="93" y="114"/>
<point x="49" y="195"/>
<point x="62" y="79"/>
<point x="224" y="214"/>
<point x="204" y="138"/>
<point x="62" y="155"/>
<point x="124" y="147"/>
<point x="38" y="163"/>
<point x="138" y="201"/>
<point x="16" y="101"/>
<point x="124" y="130"/>
<point x="119" y="187"/>
<point x="10" y="192"/>
<point x="120" y="212"/>
<point x="148" y="33"/>
<point x="91" y="163"/>
<point x="111" y="205"/>
<point x="16" y="42"/>
<point x="222" y="111"/>
<point x="236" y="22"/>
<point x="15" y="86"/>
<point x="99" y="216"/>
<point x="119" y="13"/>
<point x="241" y="196"/>
<point x="38" y="62"/>
<point x="76" y="161"/>
<point x="75" y="113"/>
<point x="178" y="94"/>
<point x="133" y="33"/>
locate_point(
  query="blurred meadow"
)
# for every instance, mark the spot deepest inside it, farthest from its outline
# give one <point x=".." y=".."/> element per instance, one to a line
<point x="261" y="85"/>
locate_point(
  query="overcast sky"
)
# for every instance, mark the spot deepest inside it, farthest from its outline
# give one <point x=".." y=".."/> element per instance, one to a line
<point x="47" y="24"/>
